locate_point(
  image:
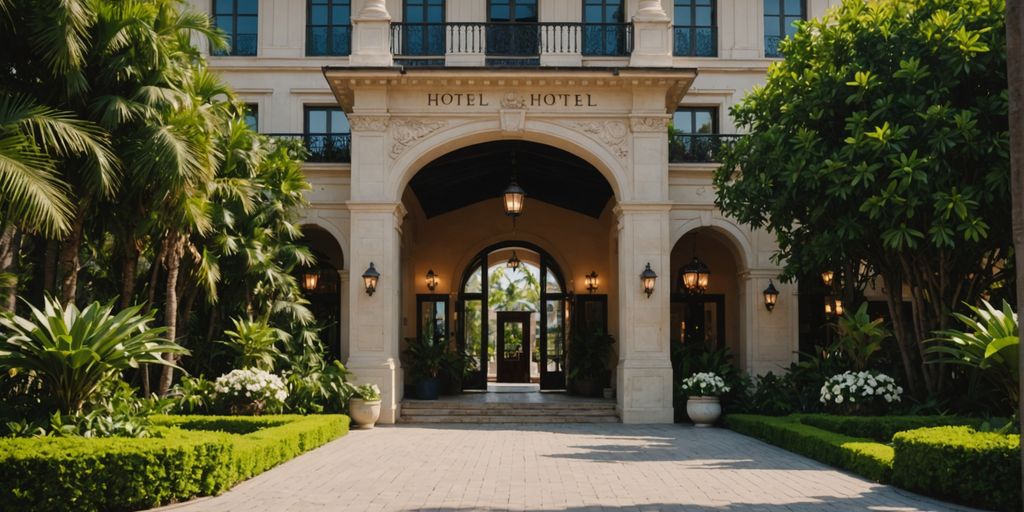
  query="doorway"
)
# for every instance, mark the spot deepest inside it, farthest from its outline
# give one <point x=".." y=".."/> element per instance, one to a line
<point x="514" y="346"/>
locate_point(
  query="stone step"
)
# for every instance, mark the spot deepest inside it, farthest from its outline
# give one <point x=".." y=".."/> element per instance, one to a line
<point x="509" y="419"/>
<point x="501" y="406"/>
<point x="525" y="411"/>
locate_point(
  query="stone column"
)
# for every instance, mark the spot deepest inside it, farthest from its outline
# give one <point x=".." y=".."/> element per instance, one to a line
<point x="652" y="36"/>
<point x="770" y="338"/>
<point x="644" y="374"/>
<point x="374" y="319"/>
<point x="371" y="36"/>
<point x="343" y="296"/>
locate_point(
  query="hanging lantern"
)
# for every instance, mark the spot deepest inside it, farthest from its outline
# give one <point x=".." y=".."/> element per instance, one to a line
<point x="431" y="280"/>
<point x="513" y="262"/>
<point x="370" y="279"/>
<point x="826" y="277"/>
<point x="647" y="278"/>
<point x="310" y="280"/>
<point x="696" y="276"/>
<point x="829" y="306"/>
<point x="591" y="280"/>
<point x="771" y="296"/>
<point x="513" y="199"/>
<point x="839" y="308"/>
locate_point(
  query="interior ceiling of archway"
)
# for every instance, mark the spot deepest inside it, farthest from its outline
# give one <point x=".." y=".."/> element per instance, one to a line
<point x="324" y="246"/>
<point x="482" y="171"/>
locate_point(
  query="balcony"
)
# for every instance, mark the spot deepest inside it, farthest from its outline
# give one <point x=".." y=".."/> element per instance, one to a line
<point x="322" y="147"/>
<point x="507" y="43"/>
<point x="689" y="148"/>
<point x="694" y="41"/>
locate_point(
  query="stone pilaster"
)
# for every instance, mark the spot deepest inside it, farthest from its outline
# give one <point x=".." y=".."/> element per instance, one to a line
<point x="652" y="36"/>
<point x="371" y="36"/>
<point x="343" y="293"/>
<point x="644" y="374"/>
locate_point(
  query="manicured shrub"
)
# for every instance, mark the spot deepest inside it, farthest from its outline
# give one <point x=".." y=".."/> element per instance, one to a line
<point x="196" y="455"/>
<point x="862" y="456"/>
<point x="980" y="469"/>
<point x="881" y="428"/>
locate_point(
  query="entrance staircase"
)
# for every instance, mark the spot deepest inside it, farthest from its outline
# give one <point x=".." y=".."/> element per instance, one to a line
<point x="463" y="410"/>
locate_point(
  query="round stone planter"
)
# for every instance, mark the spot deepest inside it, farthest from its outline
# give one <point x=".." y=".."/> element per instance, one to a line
<point x="703" y="410"/>
<point x="364" y="414"/>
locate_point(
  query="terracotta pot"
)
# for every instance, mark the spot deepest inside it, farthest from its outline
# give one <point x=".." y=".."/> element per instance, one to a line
<point x="703" y="410"/>
<point x="364" y="414"/>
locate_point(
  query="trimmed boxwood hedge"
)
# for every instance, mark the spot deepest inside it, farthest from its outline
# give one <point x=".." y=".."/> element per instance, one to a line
<point x="980" y="469"/>
<point x="881" y="428"/>
<point x="863" y="456"/>
<point x="195" y="456"/>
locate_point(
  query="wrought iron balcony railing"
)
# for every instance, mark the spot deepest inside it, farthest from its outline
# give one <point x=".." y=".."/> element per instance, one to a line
<point x="508" y="41"/>
<point x="690" y="41"/>
<point x="697" y="147"/>
<point x="322" y="147"/>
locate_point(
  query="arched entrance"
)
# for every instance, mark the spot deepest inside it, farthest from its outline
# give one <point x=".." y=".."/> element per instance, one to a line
<point x="513" y="316"/>
<point x="322" y="286"/>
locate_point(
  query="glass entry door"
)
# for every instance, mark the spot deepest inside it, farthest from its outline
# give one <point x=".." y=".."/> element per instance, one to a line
<point x="513" y="346"/>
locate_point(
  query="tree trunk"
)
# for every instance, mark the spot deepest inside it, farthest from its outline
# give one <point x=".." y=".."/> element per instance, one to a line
<point x="10" y="246"/>
<point x="128" y="268"/>
<point x="894" y="299"/>
<point x="50" y="268"/>
<point x="69" y="258"/>
<point x="154" y="274"/>
<point x="175" y="249"/>
<point x="1015" y="77"/>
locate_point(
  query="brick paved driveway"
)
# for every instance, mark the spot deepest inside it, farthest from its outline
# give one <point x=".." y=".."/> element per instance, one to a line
<point x="562" y="467"/>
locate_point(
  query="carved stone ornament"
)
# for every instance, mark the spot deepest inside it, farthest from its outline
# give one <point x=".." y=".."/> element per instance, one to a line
<point x="368" y="123"/>
<point x="512" y="101"/>
<point x="649" y="124"/>
<point x="405" y="132"/>
<point x="513" y="120"/>
<point x="613" y="134"/>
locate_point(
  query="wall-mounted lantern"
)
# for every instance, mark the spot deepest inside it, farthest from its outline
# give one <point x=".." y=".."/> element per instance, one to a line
<point x="370" y="278"/>
<point x="431" y="280"/>
<point x="826" y="277"/>
<point x="591" y="280"/>
<point x="839" y="307"/>
<point x="833" y="307"/>
<point x="771" y="296"/>
<point x="310" y="280"/>
<point x="647" y="278"/>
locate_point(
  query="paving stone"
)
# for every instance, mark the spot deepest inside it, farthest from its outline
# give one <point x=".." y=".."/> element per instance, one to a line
<point x="571" y="467"/>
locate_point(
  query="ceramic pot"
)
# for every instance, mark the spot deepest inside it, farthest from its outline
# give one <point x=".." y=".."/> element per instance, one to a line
<point x="703" y="410"/>
<point x="363" y="413"/>
<point x="428" y="388"/>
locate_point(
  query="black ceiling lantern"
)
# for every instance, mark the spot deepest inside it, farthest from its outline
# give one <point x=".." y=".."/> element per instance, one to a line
<point x="514" y="197"/>
<point x="513" y="262"/>
<point x="695" y="276"/>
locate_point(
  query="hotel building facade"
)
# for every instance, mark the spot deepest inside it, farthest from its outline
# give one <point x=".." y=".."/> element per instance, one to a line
<point x="418" y="115"/>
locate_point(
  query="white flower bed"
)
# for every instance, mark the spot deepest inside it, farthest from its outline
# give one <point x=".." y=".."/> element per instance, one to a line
<point x="851" y="388"/>
<point x="704" y="384"/>
<point x="252" y="390"/>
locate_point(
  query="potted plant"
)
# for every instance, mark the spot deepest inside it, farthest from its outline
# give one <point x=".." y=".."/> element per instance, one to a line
<point x="587" y="356"/>
<point x="426" y="358"/>
<point x="702" y="390"/>
<point x="364" y="406"/>
<point x="457" y="365"/>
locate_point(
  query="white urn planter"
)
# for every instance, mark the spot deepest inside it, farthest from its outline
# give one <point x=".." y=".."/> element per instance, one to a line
<point x="364" y="413"/>
<point x="703" y="410"/>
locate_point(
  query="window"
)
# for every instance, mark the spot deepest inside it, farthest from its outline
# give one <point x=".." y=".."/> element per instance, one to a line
<point x="603" y="31"/>
<point x="694" y="28"/>
<point x="326" y="135"/>
<point x="423" y="23"/>
<point x="780" y="19"/>
<point x="328" y="27"/>
<point x="252" y="117"/>
<point x="513" y="32"/>
<point x="695" y="120"/>
<point x="238" y="19"/>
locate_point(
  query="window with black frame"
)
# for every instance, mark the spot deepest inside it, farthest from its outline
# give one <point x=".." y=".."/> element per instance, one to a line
<point x="252" y="116"/>
<point x="512" y="32"/>
<point x="328" y="27"/>
<point x="239" y="20"/>
<point x="694" y="28"/>
<point x="423" y="32"/>
<point x="780" y="21"/>
<point x="694" y="136"/>
<point x="327" y="135"/>
<point x="603" y="30"/>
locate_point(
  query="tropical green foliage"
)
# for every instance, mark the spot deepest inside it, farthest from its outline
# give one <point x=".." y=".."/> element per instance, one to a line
<point x="254" y="343"/>
<point x="991" y="344"/>
<point x="73" y="352"/>
<point x="881" y="139"/>
<point x="426" y="357"/>
<point x="860" y="337"/>
<point x="368" y="392"/>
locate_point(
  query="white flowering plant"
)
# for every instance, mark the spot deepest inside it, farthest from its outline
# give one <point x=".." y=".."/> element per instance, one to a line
<point x="251" y="391"/>
<point x="704" y="384"/>
<point x="860" y="391"/>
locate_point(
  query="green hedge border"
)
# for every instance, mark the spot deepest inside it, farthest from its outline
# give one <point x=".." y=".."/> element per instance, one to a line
<point x="195" y="456"/>
<point x="980" y="469"/>
<point x="863" y="456"/>
<point x="881" y="428"/>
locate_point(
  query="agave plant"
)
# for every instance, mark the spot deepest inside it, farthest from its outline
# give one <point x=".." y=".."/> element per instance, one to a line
<point x="74" y="352"/>
<point x="254" y="343"/>
<point x="991" y="344"/>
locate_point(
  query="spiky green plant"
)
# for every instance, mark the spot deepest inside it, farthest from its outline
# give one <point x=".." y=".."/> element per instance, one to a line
<point x="73" y="352"/>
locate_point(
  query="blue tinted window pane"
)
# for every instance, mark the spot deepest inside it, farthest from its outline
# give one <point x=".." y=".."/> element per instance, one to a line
<point x="794" y="7"/>
<point x="223" y="7"/>
<point x="316" y="121"/>
<point x="705" y="42"/>
<point x="318" y="15"/>
<point x="702" y="122"/>
<point x="592" y="14"/>
<point x="704" y="16"/>
<point x="339" y="123"/>
<point x="771" y="7"/>
<point x="771" y="26"/>
<point x="317" y="42"/>
<point x="246" y="25"/>
<point x="245" y="44"/>
<point x="791" y="23"/>
<point x="684" y="17"/>
<point x="224" y="23"/>
<point x="340" y="14"/>
<point x="248" y="6"/>
<point x="341" y="39"/>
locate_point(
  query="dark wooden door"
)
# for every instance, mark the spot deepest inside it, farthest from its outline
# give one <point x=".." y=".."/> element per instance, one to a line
<point x="513" y="346"/>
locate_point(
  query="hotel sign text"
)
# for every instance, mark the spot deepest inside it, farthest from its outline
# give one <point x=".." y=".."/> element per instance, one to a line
<point x="479" y="99"/>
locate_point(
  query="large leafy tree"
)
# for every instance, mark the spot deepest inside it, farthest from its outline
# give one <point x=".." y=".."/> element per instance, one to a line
<point x="879" y="146"/>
